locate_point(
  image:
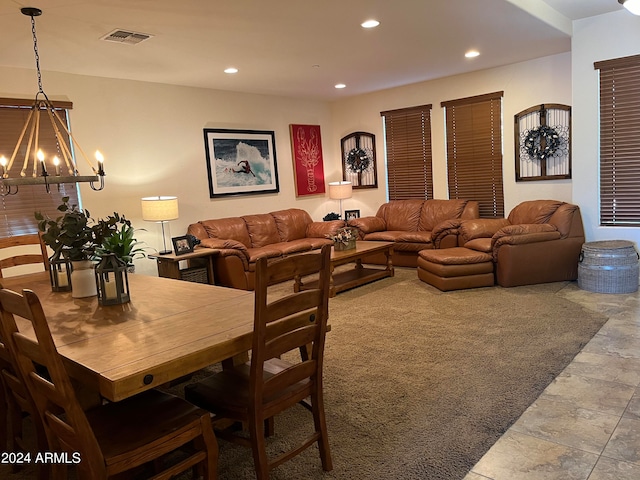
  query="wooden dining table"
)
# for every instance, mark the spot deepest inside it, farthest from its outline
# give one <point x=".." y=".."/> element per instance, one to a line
<point x="170" y="328"/>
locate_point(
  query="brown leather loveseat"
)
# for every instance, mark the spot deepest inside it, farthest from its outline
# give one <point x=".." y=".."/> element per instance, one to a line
<point x="414" y="225"/>
<point x="539" y="242"/>
<point x="242" y="240"/>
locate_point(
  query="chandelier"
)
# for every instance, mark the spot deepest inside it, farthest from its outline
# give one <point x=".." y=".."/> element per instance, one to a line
<point x="64" y="167"/>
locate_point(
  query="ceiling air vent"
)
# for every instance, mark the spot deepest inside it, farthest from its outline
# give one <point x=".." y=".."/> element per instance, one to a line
<point x="125" y="36"/>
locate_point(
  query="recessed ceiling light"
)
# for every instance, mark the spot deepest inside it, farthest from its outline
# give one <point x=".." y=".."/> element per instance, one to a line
<point x="231" y="70"/>
<point x="632" y="5"/>
<point x="340" y="85"/>
<point x="370" y="24"/>
<point x="472" y="54"/>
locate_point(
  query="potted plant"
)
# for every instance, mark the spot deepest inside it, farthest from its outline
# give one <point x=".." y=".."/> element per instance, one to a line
<point x="120" y="242"/>
<point x="76" y="236"/>
<point x="69" y="233"/>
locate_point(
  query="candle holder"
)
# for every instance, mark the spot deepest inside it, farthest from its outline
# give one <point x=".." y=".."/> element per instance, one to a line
<point x="60" y="272"/>
<point x="112" y="280"/>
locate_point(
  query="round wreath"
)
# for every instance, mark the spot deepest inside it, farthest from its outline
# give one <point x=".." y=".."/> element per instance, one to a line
<point x="532" y="142"/>
<point x="358" y="160"/>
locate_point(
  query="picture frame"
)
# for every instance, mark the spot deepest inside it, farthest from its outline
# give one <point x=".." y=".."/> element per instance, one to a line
<point x="182" y="245"/>
<point x="308" y="166"/>
<point x="351" y="214"/>
<point x="240" y="162"/>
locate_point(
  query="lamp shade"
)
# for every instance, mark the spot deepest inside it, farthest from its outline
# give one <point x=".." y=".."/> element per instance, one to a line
<point x="159" y="209"/>
<point x="340" y="190"/>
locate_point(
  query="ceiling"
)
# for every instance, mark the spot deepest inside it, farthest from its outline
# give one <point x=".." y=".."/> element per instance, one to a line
<point x="294" y="48"/>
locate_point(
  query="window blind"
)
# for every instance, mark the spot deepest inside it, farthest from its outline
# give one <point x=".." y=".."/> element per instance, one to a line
<point x="474" y="151"/>
<point x="408" y="149"/>
<point x="17" y="211"/>
<point x="619" y="141"/>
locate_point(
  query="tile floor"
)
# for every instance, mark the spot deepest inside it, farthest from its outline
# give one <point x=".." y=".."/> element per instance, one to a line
<point x="586" y="424"/>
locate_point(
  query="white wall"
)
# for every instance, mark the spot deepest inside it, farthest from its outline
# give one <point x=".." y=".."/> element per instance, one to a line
<point x="152" y="139"/>
<point x="545" y="80"/>
<point x="598" y="38"/>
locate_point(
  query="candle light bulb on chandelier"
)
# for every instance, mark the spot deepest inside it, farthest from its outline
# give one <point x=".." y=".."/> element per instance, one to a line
<point x="56" y="164"/>
<point x="3" y="164"/>
<point x="40" y="156"/>
<point x="100" y="160"/>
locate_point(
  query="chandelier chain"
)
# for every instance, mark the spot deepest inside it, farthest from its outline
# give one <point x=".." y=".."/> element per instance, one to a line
<point x="35" y="51"/>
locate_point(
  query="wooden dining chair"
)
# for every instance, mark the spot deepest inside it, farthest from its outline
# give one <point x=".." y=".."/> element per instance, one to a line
<point x="255" y="392"/>
<point x="134" y="434"/>
<point x="17" y="407"/>
<point x="23" y="256"/>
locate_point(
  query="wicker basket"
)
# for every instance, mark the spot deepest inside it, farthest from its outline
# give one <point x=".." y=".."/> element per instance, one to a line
<point x="609" y="266"/>
<point x="195" y="274"/>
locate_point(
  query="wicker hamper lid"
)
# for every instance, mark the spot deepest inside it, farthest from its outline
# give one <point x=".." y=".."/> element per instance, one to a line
<point x="608" y="244"/>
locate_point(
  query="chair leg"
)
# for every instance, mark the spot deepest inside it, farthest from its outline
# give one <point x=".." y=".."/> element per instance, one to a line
<point x="4" y="420"/>
<point x="320" y="423"/>
<point x="258" y="446"/>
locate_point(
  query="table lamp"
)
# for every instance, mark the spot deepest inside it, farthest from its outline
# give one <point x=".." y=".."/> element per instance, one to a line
<point x="340" y="191"/>
<point x="160" y="209"/>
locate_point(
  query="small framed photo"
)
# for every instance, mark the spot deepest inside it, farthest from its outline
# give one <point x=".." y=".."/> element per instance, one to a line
<point x="182" y="245"/>
<point x="351" y="214"/>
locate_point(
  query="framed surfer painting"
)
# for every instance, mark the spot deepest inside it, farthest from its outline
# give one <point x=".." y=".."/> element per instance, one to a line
<point x="240" y="162"/>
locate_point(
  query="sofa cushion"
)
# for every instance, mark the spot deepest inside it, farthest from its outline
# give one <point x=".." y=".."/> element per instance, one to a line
<point x="291" y="224"/>
<point x="294" y="246"/>
<point x="233" y="228"/>
<point x="455" y="256"/>
<point x="533" y="211"/>
<point x="435" y="211"/>
<point x="262" y="229"/>
<point x="401" y="214"/>
<point x="256" y="253"/>
<point x="319" y="242"/>
<point x="480" y="244"/>
<point x="400" y="236"/>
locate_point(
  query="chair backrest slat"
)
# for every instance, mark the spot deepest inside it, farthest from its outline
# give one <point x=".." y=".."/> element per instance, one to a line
<point x="289" y="341"/>
<point x="21" y="258"/>
<point x="293" y="322"/>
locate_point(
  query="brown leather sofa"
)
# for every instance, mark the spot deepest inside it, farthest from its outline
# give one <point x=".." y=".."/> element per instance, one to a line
<point x="242" y="240"/>
<point x="539" y="242"/>
<point x="414" y="225"/>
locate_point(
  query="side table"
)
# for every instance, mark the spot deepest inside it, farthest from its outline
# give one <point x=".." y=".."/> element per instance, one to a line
<point x="169" y="264"/>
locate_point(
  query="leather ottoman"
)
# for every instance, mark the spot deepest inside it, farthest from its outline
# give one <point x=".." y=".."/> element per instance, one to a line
<point x="455" y="268"/>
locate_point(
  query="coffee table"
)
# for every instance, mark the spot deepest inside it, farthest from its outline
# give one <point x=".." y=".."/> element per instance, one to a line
<point x="357" y="276"/>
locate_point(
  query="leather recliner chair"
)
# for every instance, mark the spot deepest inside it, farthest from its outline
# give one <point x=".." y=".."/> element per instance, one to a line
<point x="539" y="242"/>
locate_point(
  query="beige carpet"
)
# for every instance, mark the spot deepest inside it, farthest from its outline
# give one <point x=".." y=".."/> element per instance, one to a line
<point x="420" y="383"/>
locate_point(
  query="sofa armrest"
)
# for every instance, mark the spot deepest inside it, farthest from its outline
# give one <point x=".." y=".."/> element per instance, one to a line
<point x="480" y="228"/>
<point x="445" y="229"/>
<point x="230" y="247"/>
<point x="368" y="224"/>
<point x="324" y="229"/>
<point x="523" y="234"/>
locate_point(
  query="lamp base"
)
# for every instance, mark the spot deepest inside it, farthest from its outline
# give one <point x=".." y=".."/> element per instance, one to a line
<point x="165" y="252"/>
